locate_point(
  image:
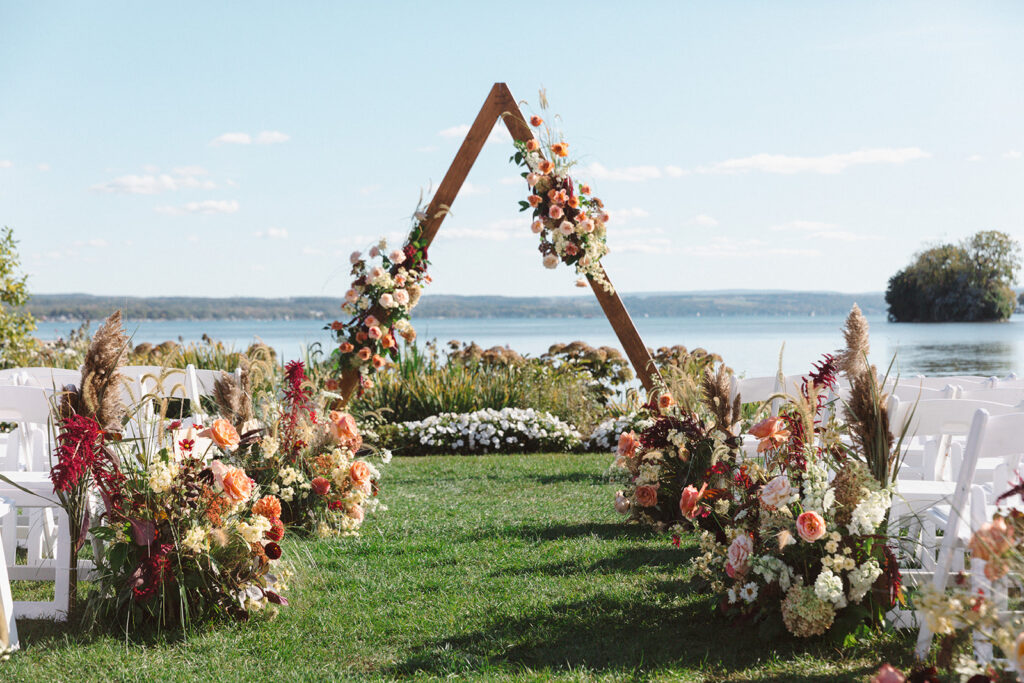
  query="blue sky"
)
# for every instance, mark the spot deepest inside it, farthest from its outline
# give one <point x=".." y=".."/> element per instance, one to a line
<point x="219" y="149"/>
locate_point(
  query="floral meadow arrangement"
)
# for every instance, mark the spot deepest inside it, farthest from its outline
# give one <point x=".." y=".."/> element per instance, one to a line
<point x="314" y="462"/>
<point x="569" y="220"/>
<point x="386" y="286"/>
<point x="509" y="430"/>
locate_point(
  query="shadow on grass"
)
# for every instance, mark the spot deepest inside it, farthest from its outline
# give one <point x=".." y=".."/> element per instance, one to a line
<point x="625" y="560"/>
<point x="632" y="635"/>
<point x="593" y="478"/>
<point x="555" y="532"/>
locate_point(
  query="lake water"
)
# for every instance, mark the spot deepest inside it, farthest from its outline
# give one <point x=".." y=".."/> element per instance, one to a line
<point x="749" y="344"/>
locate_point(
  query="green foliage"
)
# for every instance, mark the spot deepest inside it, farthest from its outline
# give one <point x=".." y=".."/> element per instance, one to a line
<point x="16" y="323"/>
<point x="426" y="382"/>
<point x="970" y="281"/>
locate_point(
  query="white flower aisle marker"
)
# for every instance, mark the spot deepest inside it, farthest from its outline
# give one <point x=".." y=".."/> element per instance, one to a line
<point x="578" y="242"/>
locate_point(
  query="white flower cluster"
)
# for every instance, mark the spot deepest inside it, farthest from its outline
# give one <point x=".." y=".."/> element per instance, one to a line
<point x="772" y="568"/>
<point x="817" y="495"/>
<point x="509" y="430"/>
<point x="605" y="436"/>
<point x="862" y="578"/>
<point x="829" y="588"/>
<point x="161" y="475"/>
<point x="869" y="513"/>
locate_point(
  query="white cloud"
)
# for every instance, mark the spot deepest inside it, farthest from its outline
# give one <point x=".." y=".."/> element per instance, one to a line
<point x="731" y="247"/>
<point x="310" y="251"/>
<point x="675" y="171"/>
<point x="95" y="243"/>
<point x="1012" y="154"/>
<point x="975" y="157"/>
<point x="186" y="177"/>
<point x="43" y="166"/>
<point x="368" y="189"/>
<point x="427" y="148"/>
<point x="6" y="163"/>
<point x="827" y="164"/>
<point x="209" y="206"/>
<point x="498" y="134"/>
<point x="151" y="168"/>
<point x="705" y="220"/>
<point x="232" y="139"/>
<point x="625" y="174"/>
<point x="513" y="180"/>
<point x="273" y="234"/>
<point x="470" y="188"/>
<point x="823" y="231"/>
<point x="498" y="231"/>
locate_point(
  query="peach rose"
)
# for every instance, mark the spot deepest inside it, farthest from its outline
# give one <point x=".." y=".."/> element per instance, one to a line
<point x="344" y="430"/>
<point x="359" y="472"/>
<point x="991" y="540"/>
<point x="535" y="121"/>
<point x="402" y="297"/>
<point x="346" y="347"/>
<point x="666" y="401"/>
<point x="388" y="342"/>
<point x="772" y="433"/>
<point x="374" y="333"/>
<point x="688" y="501"/>
<point x="776" y="493"/>
<point x="560" y="149"/>
<point x="646" y="496"/>
<point x="532" y="145"/>
<point x="739" y="554"/>
<point x="810" y="526"/>
<point x="537" y="227"/>
<point x="236" y="484"/>
<point x="371" y="321"/>
<point x="531" y="179"/>
<point x="545" y="166"/>
<point x="534" y="200"/>
<point x="364" y="353"/>
<point x="555" y="212"/>
<point x="377" y="361"/>
<point x="361" y="337"/>
<point x="267" y="506"/>
<point x="351" y="296"/>
<point x="223" y="434"/>
<point x="357" y="513"/>
<point x="1019" y="652"/>
<point x="571" y="249"/>
<point x="628" y="443"/>
<point x="584" y="189"/>
<point x="376" y="273"/>
<point x="397" y="256"/>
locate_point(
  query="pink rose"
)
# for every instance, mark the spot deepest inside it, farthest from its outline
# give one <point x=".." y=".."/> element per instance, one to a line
<point x="351" y="296"/>
<point x="646" y="496"/>
<point x="587" y="225"/>
<point x="374" y="251"/>
<point x="739" y="554"/>
<point x="386" y="300"/>
<point x="776" y="493"/>
<point x="628" y="443"/>
<point x="357" y="513"/>
<point x="371" y="321"/>
<point x="566" y="228"/>
<point x="888" y="674"/>
<point x="402" y="297"/>
<point x="622" y="504"/>
<point x="397" y="256"/>
<point x="537" y="227"/>
<point x="376" y="273"/>
<point x="555" y="212"/>
<point x="531" y="179"/>
<point x="354" y="258"/>
<point x="400" y="280"/>
<point x="374" y="332"/>
<point x="688" y="501"/>
<point x="810" y="526"/>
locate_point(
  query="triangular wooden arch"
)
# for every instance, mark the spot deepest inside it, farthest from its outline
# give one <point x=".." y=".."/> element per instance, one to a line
<point x="501" y="104"/>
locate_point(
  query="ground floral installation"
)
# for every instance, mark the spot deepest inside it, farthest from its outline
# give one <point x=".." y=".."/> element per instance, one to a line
<point x="780" y="543"/>
<point x="568" y="219"/>
<point x="314" y="462"/>
<point x="509" y="430"/>
<point x="185" y="536"/>
<point x="385" y="289"/>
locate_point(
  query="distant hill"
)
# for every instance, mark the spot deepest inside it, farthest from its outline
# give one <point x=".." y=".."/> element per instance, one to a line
<point x="74" y="307"/>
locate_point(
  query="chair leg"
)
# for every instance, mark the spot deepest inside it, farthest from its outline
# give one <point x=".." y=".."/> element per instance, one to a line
<point x="8" y="625"/>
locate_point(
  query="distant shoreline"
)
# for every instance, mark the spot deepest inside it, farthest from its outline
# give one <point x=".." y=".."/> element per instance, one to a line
<point x="79" y="307"/>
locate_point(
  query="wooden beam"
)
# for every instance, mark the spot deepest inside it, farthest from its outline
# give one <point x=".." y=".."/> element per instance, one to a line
<point x="501" y="104"/>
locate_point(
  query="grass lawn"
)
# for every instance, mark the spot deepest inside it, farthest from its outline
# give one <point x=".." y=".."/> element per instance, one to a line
<point x="485" y="568"/>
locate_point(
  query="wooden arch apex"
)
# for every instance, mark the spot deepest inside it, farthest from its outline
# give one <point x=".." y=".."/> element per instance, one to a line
<point x="501" y="104"/>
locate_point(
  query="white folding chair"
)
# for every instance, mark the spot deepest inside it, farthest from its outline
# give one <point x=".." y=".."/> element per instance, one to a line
<point x="8" y="624"/>
<point x="48" y="378"/>
<point x="994" y="437"/>
<point x="1009" y="395"/>
<point x="201" y="383"/>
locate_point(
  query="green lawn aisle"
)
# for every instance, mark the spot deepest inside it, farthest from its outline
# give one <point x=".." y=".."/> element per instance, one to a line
<point x="485" y="568"/>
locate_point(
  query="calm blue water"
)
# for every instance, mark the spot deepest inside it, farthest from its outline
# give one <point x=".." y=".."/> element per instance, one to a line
<point x="749" y="344"/>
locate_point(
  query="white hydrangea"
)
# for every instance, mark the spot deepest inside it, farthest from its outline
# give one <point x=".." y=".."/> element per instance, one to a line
<point x="829" y="587"/>
<point x="869" y="513"/>
<point x="196" y="541"/>
<point x="815" y="484"/>
<point x="253" y="532"/>
<point x="290" y="475"/>
<point x="862" y="578"/>
<point x="772" y="568"/>
<point x="161" y="475"/>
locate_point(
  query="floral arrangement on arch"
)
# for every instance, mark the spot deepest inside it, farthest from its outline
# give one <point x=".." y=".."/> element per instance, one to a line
<point x="310" y="460"/>
<point x="385" y="288"/>
<point x="781" y="537"/>
<point x="568" y="218"/>
<point x="185" y="536"/>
